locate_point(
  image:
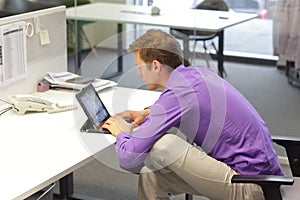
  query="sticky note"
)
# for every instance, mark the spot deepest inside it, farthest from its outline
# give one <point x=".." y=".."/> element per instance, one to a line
<point x="44" y="37"/>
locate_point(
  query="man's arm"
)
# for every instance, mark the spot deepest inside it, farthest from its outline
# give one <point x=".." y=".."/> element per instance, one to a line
<point x="137" y="117"/>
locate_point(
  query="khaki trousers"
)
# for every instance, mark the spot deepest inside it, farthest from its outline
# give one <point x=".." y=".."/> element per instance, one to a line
<point x="174" y="167"/>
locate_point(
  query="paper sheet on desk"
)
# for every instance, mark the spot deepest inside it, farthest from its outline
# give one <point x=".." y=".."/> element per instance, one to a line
<point x="59" y="80"/>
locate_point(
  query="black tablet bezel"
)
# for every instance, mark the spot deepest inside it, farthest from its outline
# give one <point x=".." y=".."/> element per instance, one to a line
<point x="79" y="97"/>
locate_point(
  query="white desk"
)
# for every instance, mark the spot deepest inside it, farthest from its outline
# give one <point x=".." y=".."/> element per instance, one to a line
<point x="190" y="19"/>
<point x="39" y="149"/>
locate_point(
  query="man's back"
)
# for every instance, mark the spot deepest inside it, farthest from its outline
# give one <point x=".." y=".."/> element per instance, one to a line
<point x="227" y="126"/>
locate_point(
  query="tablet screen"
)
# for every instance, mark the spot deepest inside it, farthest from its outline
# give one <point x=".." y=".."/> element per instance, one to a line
<point x="92" y="105"/>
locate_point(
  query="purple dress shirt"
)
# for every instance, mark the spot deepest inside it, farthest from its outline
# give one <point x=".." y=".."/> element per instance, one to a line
<point x="212" y="114"/>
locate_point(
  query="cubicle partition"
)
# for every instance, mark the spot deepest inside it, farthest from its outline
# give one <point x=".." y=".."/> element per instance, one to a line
<point x="44" y="48"/>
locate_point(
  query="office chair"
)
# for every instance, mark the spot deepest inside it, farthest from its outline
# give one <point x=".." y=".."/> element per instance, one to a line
<point x="277" y="187"/>
<point x="201" y="35"/>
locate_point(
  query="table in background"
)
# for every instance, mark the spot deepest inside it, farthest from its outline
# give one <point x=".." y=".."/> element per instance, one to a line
<point x="189" y="19"/>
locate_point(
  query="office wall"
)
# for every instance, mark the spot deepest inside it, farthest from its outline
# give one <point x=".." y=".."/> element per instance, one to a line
<point x="41" y="59"/>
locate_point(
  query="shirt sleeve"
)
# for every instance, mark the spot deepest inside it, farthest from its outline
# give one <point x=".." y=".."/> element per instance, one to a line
<point x="132" y="149"/>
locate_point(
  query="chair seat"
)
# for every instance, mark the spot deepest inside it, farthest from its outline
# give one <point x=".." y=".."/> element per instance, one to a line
<point x="202" y="37"/>
<point x="291" y="192"/>
<point x="198" y="35"/>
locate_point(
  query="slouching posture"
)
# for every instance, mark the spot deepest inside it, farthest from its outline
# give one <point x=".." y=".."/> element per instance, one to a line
<point x="197" y="135"/>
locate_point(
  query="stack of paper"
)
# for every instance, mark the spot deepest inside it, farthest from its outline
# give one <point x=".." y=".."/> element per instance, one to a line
<point x="74" y="81"/>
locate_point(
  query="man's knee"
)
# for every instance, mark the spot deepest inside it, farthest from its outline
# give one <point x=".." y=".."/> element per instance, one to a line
<point x="166" y="141"/>
<point x="145" y="170"/>
<point x="167" y="150"/>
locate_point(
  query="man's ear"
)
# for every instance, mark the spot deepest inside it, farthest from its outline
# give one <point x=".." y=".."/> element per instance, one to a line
<point x="157" y="66"/>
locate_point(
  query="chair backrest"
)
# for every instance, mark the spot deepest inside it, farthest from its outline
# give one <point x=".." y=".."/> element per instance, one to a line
<point x="213" y="5"/>
<point x="279" y="187"/>
<point x="292" y="147"/>
<point x="204" y="5"/>
<point x="210" y="5"/>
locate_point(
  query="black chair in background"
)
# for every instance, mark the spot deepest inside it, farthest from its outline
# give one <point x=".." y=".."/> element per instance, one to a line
<point x="203" y="36"/>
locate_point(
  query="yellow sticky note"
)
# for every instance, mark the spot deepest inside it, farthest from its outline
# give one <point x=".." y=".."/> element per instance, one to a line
<point x="44" y="37"/>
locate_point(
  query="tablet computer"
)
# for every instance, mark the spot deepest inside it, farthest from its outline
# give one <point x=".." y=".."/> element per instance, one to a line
<point x="94" y="109"/>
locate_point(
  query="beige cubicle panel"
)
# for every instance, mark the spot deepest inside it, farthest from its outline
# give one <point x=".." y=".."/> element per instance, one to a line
<point x="51" y="57"/>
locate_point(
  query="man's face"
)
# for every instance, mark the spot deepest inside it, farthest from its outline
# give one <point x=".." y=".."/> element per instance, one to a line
<point x="148" y="75"/>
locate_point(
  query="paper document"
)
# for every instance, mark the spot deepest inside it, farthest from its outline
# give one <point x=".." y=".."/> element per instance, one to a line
<point x="74" y="81"/>
<point x="13" y="52"/>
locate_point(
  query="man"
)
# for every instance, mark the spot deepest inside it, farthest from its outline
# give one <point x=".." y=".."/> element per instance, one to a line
<point x="227" y="136"/>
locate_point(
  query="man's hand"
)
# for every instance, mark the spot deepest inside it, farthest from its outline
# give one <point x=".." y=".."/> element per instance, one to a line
<point x="116" y="125"/>
<point x="138" y="117"/>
